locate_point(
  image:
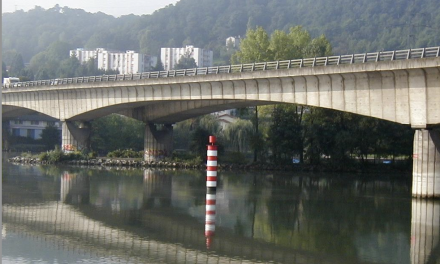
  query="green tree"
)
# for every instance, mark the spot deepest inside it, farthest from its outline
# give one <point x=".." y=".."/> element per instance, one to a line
<point x="198" y="141"/>
<point x="114" y="132"/>
<point x="286" y="135"/>
<point x="193" y="133"/>
<point x="50" y="63"/>
<point x="70" y="68"/>
<point x="238" y="135"/>
<point x="51" y="137"/>
<point x="255" y="47"/>
<point x="26" y="75"/>
<point x="16" y="65"/>
<point x="159" y="65"/>
<point x="185" y="62"/>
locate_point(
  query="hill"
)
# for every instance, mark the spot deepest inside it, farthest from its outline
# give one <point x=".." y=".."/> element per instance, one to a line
<point x="350" y="25"/>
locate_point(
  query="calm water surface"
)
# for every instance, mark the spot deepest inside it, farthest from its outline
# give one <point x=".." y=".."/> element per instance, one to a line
<point x="92" y="215"/>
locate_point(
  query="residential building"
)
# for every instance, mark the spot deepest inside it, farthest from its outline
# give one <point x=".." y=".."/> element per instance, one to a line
<point x="30" y="126"/>
<point x="233" y="42"/>
<point x="171" y="56"/>
<point x="124" y="62"/>
<point x="226" y="117"/>
<point x="225" y="120"/>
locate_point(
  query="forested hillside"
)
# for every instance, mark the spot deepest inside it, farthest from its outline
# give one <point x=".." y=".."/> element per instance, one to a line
<point x="350" y="25"/>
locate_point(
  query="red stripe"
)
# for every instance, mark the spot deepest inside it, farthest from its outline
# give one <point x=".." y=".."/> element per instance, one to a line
<point x="211" y="168"/>
<point x="209" y="233"/>
<point x="212" y="157"/>
<point x="211" y="178"/>
<point x="210" y="213"/>
<point x="210" y="202"/>
<point x="211" y="147"/>
<point x="210" y="223"/>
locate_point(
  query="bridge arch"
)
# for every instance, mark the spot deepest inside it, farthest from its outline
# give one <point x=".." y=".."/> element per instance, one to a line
<point x="405" y="92"/>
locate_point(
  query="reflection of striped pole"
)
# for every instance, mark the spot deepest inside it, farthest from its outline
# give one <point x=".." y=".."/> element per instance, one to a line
<point x="211" y="164"/>
<point x="210" y="216"/>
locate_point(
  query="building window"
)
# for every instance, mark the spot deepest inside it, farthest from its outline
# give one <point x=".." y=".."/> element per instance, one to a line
<point x="16" y="132"/>
<point x="31" y="133"/>
<point x="18" y="122"/>
<point x="35" y="123"/>
<point x="50" y="123"/>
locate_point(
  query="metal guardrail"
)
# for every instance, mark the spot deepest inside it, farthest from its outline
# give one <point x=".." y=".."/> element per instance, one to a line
<point x="248" y="67"/>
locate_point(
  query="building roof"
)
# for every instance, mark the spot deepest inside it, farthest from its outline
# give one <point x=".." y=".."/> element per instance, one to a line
<point x="37" y="117"/>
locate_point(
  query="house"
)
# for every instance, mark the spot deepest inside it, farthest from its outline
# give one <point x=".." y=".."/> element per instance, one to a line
<point x="30" y="126"/>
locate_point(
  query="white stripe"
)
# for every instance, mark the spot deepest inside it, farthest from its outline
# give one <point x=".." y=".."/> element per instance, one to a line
<point x="209" y="227"/>
<point x="210" y="196"/>
<point x="210" y="218"/>
<point x="210" y="207"/>
<point x="211" y="173"/>
<point x="211" y="184"/>
<point x="212" y="153"/>
<point x="211" y="163"/>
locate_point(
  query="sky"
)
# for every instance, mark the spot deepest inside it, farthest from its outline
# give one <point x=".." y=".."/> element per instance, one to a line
<point x="112" y="7"/>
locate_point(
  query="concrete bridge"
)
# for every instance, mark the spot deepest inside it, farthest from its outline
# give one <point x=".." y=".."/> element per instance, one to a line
<point x="399" y="86"/>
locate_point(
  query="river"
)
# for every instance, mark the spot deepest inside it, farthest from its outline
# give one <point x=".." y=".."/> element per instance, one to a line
<point x="54" y="214"/>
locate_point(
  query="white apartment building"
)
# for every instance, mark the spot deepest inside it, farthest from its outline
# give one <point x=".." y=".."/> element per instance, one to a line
<point x="125" y="62"/>
<point x="85" y="55"/>
<point x="233" y="42"/>
<point x="171" y="56"/>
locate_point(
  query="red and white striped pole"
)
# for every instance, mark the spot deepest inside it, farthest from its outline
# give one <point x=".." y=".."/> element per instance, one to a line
<point x="211" y="164"/>
<point x="211" y="185"/>
<point x="210" y="216"/>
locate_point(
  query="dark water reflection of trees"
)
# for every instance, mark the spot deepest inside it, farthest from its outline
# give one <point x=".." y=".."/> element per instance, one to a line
<point x="332" y="215"/>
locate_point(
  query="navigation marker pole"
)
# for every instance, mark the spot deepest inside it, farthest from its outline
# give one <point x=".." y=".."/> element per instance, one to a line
<point x="211" y="164"/>
<point x="211" y="186"/>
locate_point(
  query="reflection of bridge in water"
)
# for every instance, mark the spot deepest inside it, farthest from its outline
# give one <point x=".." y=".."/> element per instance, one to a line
<point x="150" y="228"/>
<point x="71" y="228"/>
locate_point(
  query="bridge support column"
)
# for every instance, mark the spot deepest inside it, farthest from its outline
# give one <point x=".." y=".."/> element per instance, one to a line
<point x="426" y="164"/>
<point x="425" y="220"/>
<point x="158" y="144"/>
<point x="75" y="137"/>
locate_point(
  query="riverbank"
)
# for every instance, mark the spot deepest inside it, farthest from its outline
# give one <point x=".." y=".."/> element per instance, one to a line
<point x="137" y="163"/>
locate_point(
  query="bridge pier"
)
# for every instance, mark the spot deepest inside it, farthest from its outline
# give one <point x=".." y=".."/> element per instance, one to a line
<point x="158" y="144"/>
<point x="426" y="164"/>
<point x="425" y="229"/>
<point x="75" y="138"/>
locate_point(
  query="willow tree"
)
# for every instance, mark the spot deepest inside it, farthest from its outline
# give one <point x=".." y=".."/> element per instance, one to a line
<point x="238" y="134"/>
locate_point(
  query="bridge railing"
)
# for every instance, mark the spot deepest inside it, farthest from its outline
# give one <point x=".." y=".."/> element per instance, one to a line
<point x="247" y="67"/>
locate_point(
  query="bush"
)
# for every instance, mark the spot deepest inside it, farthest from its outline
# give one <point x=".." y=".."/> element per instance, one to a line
<point x="92" y="155"/>
<point x="55" y="155"/>
<point x="76" y="155"/>
<point x="233" y="157"/>
<point x="126" y="153"/>
<point x="26" y="155"/>
<point x="44" y="156"/>
<point x="197" y="161"/>
<point x="180" y="155"/>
